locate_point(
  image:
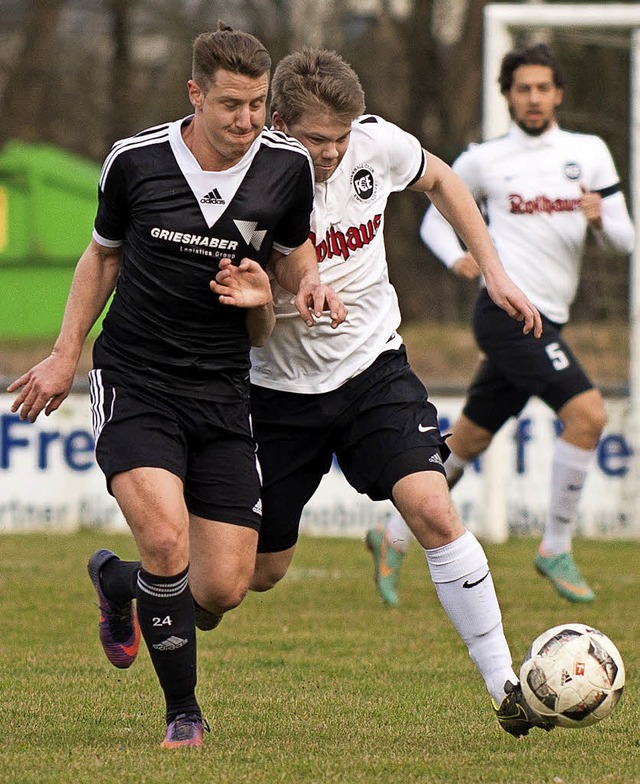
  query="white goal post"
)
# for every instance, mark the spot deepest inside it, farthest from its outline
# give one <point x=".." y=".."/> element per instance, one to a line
<point x="501" y="21"/>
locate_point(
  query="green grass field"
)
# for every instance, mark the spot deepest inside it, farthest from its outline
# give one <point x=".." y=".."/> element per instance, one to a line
<point x="314" y="682"/>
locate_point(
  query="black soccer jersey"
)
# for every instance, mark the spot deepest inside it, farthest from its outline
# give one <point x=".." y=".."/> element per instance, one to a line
<point x="174" y="221"/>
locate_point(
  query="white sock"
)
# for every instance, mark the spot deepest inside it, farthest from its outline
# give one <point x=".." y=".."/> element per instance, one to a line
<point x="454" y="463"/>
<point x="398" y="532"/>
<point x="454" y="468"/>
<point x="465" y="588"/>
<point x="569" y="472"/>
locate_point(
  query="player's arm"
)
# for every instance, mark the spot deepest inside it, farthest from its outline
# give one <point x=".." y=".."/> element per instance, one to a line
<point x="260" y="324"/>
<point x="442" y="240"/>
<point x="247" y="285"/>
<point x="48" y="383"/>
<point x="608" y="218"/>
<point x="298" y="273"/>
<point x="454" y="201"/>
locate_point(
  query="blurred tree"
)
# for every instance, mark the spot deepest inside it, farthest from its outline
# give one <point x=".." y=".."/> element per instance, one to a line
<point x="29" y="107"/>
<point x="82" y="73"/>
<point x="119" y="124"/>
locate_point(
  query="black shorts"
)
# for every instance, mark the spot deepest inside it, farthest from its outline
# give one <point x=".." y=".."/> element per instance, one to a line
<point x="380" y="426"/>
<point x="517" y="366"/>
<point x="207" y="444"/>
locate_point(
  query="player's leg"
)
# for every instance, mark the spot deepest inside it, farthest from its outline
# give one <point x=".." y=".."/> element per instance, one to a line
<point x="293" y="434"/>
<point x="114" y="580"/>
<point x="459" y="569"/>
<point x="141" y="450"/>
<point x="466" y="442"/>
<point x="492" y="396"/>
<point x="393" y="449"/>
<point x="460" y="572"/>
<point x="287" y="487"/>
<point x="152" y="501"/>
<point x="270" y="568"/>
<point x="221" y="565"/>
<point x="222" y="494"/>
<point x="546" y="368"/>
<point x="284" y="496"/>
<point x="583" y="417"/>
<point x="388" y="542"/>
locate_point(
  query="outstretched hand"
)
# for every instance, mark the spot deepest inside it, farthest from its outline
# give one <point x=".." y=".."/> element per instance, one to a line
<point x="314" y="298"/>
<point x="513" y="301"/>
<point x="44" y="387"/>
<point x="244" y="286"/>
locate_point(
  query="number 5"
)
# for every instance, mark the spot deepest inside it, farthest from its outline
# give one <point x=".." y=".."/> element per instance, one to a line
<point x="558" y="358"/>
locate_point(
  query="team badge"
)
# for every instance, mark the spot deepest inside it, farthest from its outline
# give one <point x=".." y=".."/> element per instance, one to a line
<point x="572" y="170"/>
<point x="363" y="182"/>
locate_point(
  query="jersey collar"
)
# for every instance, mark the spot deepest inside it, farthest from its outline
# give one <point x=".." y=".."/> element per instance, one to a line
<point x="547" y="139"/>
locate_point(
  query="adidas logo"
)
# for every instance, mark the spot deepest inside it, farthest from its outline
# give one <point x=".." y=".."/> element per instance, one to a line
<point x="213" y="197"/>
<point x="170" y="644"/>
<point x="436" y="458"/>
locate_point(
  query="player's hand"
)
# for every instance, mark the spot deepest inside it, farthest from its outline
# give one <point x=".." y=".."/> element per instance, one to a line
<point x="466" y="267"/>
<point x="513" y="301"/>
<point x="44" y="387"/>
<point x="314" y="298"/>
<point x="244" y="286"/>
<point x="591" y="206"/>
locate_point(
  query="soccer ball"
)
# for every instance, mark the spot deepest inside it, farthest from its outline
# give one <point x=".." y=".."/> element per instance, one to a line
<point x="572" y="675"/>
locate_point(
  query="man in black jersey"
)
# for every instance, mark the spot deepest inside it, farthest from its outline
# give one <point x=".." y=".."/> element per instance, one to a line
<point x="170" y="385"/>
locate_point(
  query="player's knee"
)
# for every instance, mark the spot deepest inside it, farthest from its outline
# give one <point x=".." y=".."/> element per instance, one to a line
<point x="220" y="598"/>
<point x="594" y="418"/>
<point x="599" y="421"/>
<point x="165" y="552"/>
<point x="264" y="579"/>
<point x="270" y="568"/>
<point x="584" y="424"/>
<point x="435" y="520"/>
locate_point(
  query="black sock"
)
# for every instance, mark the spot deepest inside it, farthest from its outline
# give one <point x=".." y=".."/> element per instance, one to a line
<point x="118" y="580"/>
<point x="167" y="622"/>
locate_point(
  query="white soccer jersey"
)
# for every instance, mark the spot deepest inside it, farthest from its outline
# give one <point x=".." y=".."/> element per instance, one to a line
<point x="347" y="227"/>
<point x="530" y="188"/>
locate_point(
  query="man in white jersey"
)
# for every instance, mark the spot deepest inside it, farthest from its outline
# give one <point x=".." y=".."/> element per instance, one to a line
<point x="543" y="189"/>
<point x="350" y="391"/>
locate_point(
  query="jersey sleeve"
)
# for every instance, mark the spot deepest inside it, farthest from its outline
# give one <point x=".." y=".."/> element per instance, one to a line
<point x="605" y="178"/>
<point x="617" y="234"/>
<point x="406" y="158"/>
<point x="467" y="168"/>
<point x="293" y="229"/>
<point x="112" y="217"/>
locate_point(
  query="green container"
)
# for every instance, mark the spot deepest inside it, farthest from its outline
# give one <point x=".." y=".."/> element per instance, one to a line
<point x="48" y="200"/>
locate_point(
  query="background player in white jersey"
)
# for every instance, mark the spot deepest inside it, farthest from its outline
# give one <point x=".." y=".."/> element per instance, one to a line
<point x="542" y="188"/>
<point x="170" y="386"/>
<point x="351" y="391"/>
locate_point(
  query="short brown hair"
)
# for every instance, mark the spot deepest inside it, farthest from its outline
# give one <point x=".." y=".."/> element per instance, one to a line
<point x="536" y="54"/>
<point x="316" y="79"/>
<point x="228" y="49"/>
